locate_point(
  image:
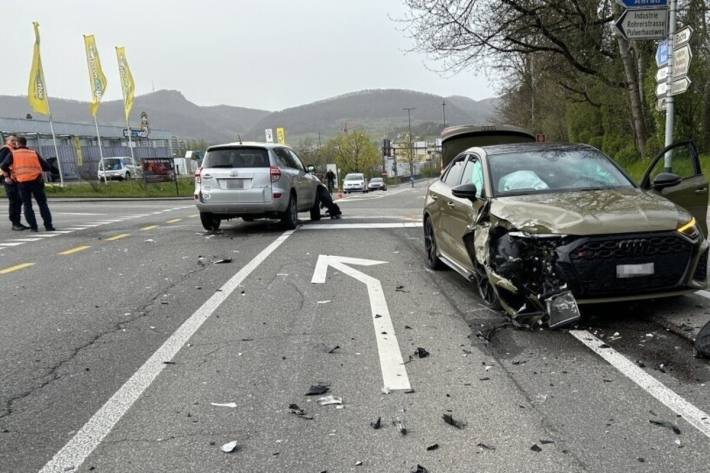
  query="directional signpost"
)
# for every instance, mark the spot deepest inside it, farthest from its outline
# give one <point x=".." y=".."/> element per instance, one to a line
<point x="662" y="53"/>
<point x="643" y="24"/>
<point x="637" y="4"/>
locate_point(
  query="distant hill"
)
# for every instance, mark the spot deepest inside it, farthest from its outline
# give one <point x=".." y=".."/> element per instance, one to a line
<point x="379" y="112"/>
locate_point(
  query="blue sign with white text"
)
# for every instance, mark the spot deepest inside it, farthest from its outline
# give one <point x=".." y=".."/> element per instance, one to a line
<point x="662" y="53"/>
<point x="643" y="3"/>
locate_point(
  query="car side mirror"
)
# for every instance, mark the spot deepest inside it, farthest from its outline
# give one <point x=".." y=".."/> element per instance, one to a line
<point x="666" y="179"/>
<point x="311" y="168"/>
<point x="465" y="191"/>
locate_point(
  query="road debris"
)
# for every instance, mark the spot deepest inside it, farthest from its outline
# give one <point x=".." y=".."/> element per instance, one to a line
<point x="546" y="442"/>
<point x="378" y="316"/>
<point x="421" y="352"/>
<point x="484" y="446"/>
<point x="536" y="448"/>
<point x="358" y="463"/>
<point x="399" y="425"/>
<point x="702" y="342"/>
<point x="666" y="424"/>
<point x="223" y="261"/>
<point x="400" y="289"/>
<point x="317" y="390"/>
<point x="327" y="301"/>
<point x="449" y="419"/>
<point x="377" y="425"/>
<point x="330" y="400"/>
<point x="224" y="404"/>
<point x="229" y="447"/>
<point x="432" y="447"/>
<point x="332" y="350"/>
<point x="418" y="469"/>
<point x="297" y="411"/>
<point x="169" y="362"/>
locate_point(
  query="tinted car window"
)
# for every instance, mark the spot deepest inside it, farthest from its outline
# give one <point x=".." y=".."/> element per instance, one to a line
<point x="553" y="170"/>
<point x="453" y="177"/>
<point x="242" y="157"/>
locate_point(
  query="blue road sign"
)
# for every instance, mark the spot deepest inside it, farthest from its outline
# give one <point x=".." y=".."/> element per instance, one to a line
<point x="662" y="53"/>
<point x="631" y="4"/>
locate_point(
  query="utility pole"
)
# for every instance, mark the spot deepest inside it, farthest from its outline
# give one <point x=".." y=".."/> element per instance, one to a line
<point x="443" y="111"/>
<point x="411" y="149"/>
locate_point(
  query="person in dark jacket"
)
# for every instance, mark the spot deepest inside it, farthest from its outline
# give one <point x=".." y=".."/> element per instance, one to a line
<point x="25" y="167"/>
<point x="11" y="190"/>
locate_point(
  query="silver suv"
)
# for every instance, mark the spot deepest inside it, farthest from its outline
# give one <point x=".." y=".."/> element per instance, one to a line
<point x="254" y="180"/>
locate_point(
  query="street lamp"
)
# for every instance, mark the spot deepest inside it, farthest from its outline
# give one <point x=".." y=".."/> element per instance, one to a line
<point x="411" y="149"/>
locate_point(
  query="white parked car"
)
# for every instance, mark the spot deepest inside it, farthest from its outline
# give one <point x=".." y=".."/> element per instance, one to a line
<point x="354" y="181"/>
<point x="122" y="168"/>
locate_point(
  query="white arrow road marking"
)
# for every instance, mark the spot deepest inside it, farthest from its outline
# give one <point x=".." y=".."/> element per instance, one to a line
<point x="648" y="383"/>
<point x="394" y="373"/>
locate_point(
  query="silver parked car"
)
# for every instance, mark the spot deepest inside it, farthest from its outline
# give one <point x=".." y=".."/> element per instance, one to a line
<point x="354" y="181"/>
<point x="122" y="168"/>
<point x="254" y="180"/>
<point x="376" y="184"/>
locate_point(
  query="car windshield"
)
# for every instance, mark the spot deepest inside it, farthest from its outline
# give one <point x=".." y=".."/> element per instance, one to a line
<point x="376" y="180"/>
<point x="553" y="170"/>
<point x="241" y="157"/>
<point x="113" y="164"/>
<point x="354" y="177"/>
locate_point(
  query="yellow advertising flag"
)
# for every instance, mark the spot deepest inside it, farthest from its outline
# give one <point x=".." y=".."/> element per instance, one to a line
<point x="37" y="91"/>
<point x="97" y="79"/>
<point x="127" y="85"/>
<point x="281" y="136"/>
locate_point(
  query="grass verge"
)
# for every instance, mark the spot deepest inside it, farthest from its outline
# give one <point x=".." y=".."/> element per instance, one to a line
<point x="119" y="189"/>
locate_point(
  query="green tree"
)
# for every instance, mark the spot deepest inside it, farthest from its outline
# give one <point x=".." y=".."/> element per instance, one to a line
<point x="354" y="152"/>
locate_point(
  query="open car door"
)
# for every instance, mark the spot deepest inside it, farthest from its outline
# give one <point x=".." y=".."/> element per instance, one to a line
<point x="689" y="187"/>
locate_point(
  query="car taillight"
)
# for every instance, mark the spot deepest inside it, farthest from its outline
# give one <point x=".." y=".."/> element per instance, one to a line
<point x="198" y="177"/>
<point x="275" y="173"/>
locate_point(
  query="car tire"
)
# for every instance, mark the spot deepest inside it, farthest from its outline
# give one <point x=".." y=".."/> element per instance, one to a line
<point x="315" y="211"/>
<point x="432" y="260"/>
<point x="486" y="291"/>
<point x="210" y="222"/>
<point x="289" y="218"/>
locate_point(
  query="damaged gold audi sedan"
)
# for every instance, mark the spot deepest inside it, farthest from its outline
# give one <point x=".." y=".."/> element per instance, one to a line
<point x="541" y="228"/>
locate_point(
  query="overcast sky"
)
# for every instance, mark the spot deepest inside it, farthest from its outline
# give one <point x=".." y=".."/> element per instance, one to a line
<point x="269" y="54"/>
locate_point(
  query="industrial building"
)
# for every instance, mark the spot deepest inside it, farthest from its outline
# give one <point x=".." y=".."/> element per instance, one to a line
<point x="78" y="145"/>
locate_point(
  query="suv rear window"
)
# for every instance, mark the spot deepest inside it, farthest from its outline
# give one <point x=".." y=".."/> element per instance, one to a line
<point x="242" y="157"/>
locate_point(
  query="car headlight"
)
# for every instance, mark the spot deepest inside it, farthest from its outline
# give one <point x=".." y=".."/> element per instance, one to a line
<point x="689" y="229"/>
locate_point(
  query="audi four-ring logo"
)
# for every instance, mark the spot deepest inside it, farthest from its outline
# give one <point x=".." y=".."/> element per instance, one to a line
<point x="633" y="246"/>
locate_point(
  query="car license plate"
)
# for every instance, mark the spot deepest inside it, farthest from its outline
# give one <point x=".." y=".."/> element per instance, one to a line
<point x="233" y="184"/>
<point x="634" y="270"/>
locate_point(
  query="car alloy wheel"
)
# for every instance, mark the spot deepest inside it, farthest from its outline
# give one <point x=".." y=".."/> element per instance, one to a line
<point x="432" y="259"/>
<point x="486" y="291"/>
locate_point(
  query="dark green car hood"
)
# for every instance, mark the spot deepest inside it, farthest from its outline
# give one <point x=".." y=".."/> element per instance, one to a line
<point x="626" y="210"/>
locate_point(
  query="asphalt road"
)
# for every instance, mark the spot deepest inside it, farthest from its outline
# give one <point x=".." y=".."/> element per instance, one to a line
<point x="120" y="336"/>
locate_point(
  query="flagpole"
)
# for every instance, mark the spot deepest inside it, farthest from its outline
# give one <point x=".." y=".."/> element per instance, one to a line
<point x="56" y="151"/>
<point x="130" y="142"/>
<point x="101" y="151"/>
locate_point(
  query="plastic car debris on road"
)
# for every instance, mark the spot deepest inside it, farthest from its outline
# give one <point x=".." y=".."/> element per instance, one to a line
<point x="418" y="469"/>
<point x="298" y="412"/>
<point x="449" y="419"/>
<point x="224" y="404"/>
<point x="666" y="424"/>
<point x="702" y="342"/>
<point x="421" y="352"/>
<point x="317" y="390"/>
<point x="377" y="425"/>
<point x="330" y="400"/>
<point x="400" y="426"/>
<point x="230" y="447"/>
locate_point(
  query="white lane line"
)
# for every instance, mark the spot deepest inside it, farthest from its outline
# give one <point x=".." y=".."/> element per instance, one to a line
<point x="10" y="244"/>
<point x="705" y="294"/>
<point x="61" y="232"/>
<point x="25" y="239"/>
<point x="87" y="214"/>
<point x="351" y="226"/>
<point x="648" y="383"/>
<point x="93" y="432"/>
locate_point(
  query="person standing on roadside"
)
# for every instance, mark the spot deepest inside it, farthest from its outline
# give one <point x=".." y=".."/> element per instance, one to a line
<point x="25" y="167"/>
<point x="11" y="190"/>
<point x="330" y="180"/>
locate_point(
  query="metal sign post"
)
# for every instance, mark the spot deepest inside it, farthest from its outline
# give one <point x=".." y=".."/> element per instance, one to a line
<point x="670" y="109"/>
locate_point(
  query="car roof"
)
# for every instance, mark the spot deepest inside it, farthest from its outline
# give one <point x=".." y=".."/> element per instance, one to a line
<point x="249" y="144"/>
<point x="530" y="147"/>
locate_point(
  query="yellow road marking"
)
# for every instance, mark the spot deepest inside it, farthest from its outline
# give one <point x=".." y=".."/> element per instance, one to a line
<point x="74" y="250"/>
<point x="149" y="227"/>
<point x="16" y="268"/>
<point x="175" y="220"/>
<point x="118" y="237"/>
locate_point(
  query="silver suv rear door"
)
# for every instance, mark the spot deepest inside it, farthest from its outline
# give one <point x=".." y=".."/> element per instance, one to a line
<point x="237" y="174"/>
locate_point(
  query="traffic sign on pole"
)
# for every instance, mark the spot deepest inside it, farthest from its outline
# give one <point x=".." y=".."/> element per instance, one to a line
<point x="643" y="24"/>
<point x="677" y="87"/>
<point x="682" y="37"/>
<point x="681" y="61"/>
<point x="662" y="74"/>
<point x="662" y="53"/>
<point x="635" y="4"/>
<point x="661" y="105"/>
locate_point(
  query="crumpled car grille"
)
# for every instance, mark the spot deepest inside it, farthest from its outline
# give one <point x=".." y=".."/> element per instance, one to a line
<point x="590" y="264"/>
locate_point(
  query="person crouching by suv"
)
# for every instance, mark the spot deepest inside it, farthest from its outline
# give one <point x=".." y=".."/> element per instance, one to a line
<point x="11" y="190"/>
<point x="25" y="167"/>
